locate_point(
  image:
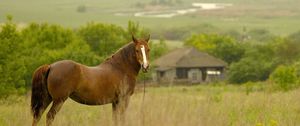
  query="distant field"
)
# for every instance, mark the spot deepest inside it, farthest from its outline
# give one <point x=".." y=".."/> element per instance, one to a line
<point x="278" y="16"/>
<point x="224" y="105"/>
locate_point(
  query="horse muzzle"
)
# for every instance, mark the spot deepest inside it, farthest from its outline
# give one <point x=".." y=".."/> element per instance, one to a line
<point x="145" y="68"/>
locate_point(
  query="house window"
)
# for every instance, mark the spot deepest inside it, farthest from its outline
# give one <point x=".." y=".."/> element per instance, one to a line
<point x="182" y="73"/>
<point x="213" y="72"/>
<point x="162" y="73"/>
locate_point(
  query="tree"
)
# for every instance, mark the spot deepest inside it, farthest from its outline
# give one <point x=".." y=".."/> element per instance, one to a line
<point x="249" y="69"/>
<point x="287" y="50"/>
<point x="223" y="47"/>
<point x="285" y="77"/>
<point x="11" y="66"/>
<point x="256" y="65"/>
<point x="158" y="49"/>
<point x="45" y="44"/>
<point x="103" y="39"/>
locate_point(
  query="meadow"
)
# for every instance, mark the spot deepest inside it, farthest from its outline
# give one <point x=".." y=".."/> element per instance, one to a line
<point x="278" y="16"/>
<point x="200" y="105"/>
<point x="191" y="105"/>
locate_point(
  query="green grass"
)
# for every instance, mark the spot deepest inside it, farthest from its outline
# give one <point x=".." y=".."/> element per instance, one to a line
<point x="208" y="105"/>
<point x="279" y="16"/>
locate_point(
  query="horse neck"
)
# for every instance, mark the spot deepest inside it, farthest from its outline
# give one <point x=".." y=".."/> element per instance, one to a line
<point x="125" y="60"/>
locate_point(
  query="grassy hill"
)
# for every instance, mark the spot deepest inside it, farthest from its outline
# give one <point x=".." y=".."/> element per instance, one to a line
<point x="278" y="16"/>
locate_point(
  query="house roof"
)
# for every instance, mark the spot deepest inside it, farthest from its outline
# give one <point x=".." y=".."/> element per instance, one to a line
<point x="187" y="57"/>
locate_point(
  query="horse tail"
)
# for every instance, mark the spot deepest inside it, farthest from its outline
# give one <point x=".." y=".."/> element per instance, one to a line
<point x="39" y="91"/>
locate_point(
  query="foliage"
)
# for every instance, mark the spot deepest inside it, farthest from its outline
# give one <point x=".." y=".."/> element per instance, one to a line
<point x="45" y="44"/>
<point x="223" y="47"/>
<point x="285" y="77"/>
<point x="103" y="39"/>
<point x="251" y="59"/>
<point x="257" y="63"/>
<point x="133" y="28"/>
<point x="11" y="66"/>
<point x="297" y="68"/>
<point x="287" y="50"/>
<point x="158" y="49"/>
<point x="24" y="50"/>
<point x="249" y="69"/>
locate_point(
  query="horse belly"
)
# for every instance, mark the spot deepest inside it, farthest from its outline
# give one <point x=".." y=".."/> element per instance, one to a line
<point x="93" y="93"/>
<point x="91" y="100"/>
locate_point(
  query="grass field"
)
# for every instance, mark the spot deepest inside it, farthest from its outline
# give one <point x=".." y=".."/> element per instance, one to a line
<point x="279" y="16"/>
<point x="202" y="105"/>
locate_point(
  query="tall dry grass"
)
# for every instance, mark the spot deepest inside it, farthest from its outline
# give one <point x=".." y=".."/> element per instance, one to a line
<point x="224" y="105"/>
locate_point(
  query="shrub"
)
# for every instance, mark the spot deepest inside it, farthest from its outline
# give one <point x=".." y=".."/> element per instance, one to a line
<point x="11" y="65"/>
<point x="249" y="69"/>
<point x="221" y="46"/>
<point x="284" y="77"/>
<point x="297" y="68"/>
<point x="103" y="39"/>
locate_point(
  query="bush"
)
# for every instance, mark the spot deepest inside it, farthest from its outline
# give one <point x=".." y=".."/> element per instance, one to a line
<point x="284" y="77"/>
<point x="103" y="39"/>
<point x="297" y="68"/>
<point x="249" y="69"/>
<point x="45" y="44"/>
<point x="221" y="46"/>
<point x="12" y="66"/>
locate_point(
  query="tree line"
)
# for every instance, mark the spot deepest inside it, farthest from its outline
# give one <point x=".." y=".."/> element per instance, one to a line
<point x="25" y="49"/>
<point x="254" y="56"/>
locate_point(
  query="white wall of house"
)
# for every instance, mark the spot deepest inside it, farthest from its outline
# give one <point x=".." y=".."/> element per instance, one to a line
<point x="165" y="76"/>
<point x="194" y="75"/>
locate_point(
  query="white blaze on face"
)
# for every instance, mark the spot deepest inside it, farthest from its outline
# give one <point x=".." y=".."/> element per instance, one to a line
<point x="145" y="62"/>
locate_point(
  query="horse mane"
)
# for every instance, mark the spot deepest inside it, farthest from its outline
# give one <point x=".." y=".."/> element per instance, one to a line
<point x="124" y="56"/>
<point x="124" y="51"/>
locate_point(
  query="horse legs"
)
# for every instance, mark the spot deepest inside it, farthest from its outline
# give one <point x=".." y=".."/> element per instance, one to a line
<point x="119" y="109"/>
<point x="56" y="106"/>
<point x="39" y="113"/>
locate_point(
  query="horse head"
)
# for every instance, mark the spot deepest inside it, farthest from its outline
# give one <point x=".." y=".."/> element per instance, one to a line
<point x="142" y="52"/>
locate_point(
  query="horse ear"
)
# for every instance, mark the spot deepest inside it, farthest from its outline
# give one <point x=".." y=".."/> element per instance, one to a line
<point x="134" y="39"/>
<point x="148" y="38"/>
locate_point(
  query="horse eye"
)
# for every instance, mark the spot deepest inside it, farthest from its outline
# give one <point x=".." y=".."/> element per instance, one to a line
<point x="136" y="50"/>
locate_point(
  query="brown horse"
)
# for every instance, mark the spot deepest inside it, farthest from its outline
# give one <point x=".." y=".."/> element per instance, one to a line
<point x="113" y="81"/>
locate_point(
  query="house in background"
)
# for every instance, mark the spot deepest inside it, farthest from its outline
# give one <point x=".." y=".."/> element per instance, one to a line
<point x="188" y="65"/>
